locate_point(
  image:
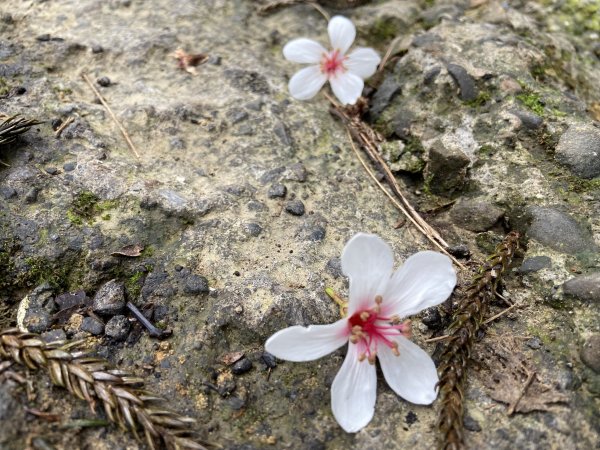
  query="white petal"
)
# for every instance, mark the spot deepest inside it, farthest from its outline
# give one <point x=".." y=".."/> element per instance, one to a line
<point x="426" y="279"/>
<point x="362" y="62"/>
<point x="353" y="392"/>
<point x="308" y="343"/>
<point x="303" y="51"/>
<point x="368" y="261"/>
<point x="412" y="375"/>
<point x="341" y="33"/>
<point x="306" y="83"/>
<point x="347" y="87"/>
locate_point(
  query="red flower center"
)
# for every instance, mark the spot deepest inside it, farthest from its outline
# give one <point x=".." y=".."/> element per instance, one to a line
<point x="369" y="328"/>
<point x="332" y="63"/>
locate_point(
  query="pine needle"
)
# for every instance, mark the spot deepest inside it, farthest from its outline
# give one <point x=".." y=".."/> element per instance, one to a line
<point x="122" y="396"/>
<point x="468" y="319"/>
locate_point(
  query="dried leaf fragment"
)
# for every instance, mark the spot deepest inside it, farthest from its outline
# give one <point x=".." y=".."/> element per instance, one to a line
<point x="231" y="358"/>
<point x="132" y="251"/>
<point x="189" y="61"/>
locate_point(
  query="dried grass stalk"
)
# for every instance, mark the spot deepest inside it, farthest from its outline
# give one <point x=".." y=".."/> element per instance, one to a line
<point x="467" y="320"/>
<point x="13" y="126"/>
<point x="123" y="397"/>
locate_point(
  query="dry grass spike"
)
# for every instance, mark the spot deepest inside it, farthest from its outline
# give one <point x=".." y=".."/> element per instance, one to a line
<point x="467" y="320"/>
<point x="12" y="126"/>
<point x="123" y="397"/>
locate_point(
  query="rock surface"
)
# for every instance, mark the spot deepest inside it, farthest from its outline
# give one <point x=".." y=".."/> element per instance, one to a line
<point x="579" y="149"/>
<point x="222" y="152"/>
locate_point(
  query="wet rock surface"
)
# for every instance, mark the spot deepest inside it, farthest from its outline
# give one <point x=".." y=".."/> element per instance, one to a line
<point x="487" y="109"/>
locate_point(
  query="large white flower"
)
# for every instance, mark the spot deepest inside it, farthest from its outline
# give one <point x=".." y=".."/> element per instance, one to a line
<point x="345" y="72"/>
<point x="378" y="299"/>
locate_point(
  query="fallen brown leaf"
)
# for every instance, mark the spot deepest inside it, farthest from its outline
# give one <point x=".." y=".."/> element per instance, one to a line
<point x="132" y="251"/>
<point x="189" y="61"/>
<point x="231" y="358"/>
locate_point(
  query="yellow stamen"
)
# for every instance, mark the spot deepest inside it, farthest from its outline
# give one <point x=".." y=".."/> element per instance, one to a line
<point x="372" y="358"/>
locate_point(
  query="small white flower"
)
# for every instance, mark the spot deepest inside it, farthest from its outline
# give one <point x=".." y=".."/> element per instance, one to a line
<point x="378" y="298"/>
<point x="345" y="72"/>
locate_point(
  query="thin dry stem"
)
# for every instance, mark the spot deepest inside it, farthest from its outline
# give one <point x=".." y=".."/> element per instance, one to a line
<point x="112" y="114"/>
<point x="122" y="396"/>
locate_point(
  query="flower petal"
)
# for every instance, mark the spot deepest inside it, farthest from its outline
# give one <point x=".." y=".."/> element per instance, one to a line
<point x="303" y="51"/>
<point x="362" y="62"/>
<point x="412" y="375"/>
<point x="341" y="33"/>
<point x="353" y="392"/>
<point x="308" y="343"/>
<point x="306" y="83"/>
<point x="426" y="279"/>
<point x="368" y="261"/>
<point x="347" y="87"/>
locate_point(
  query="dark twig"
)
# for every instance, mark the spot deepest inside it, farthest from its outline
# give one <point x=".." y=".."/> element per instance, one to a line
<point x="152" y="330"/>
<point x="468" y="319"/>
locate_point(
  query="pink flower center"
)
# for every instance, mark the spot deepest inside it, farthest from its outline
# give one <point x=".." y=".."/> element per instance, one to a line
<point x="369" y="329"/>
<point x="332" y="63"/>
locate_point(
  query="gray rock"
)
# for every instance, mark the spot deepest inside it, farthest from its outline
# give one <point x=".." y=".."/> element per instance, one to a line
<point x="466" y="84"/>
<point x="277" y="190"/>
<point x="295" y="207"/>
<point x="558" y="230"/>
<point x="431" y="318"/>
<point x="92" y="326"/>
<point x="7" y="192"/>
<point x="110" y="298"/>
<point x="32" y="195"/>
<point x="296" y="172"/>
<point x="579" y="150"/>
<point x="252" y="229"/>
<point x="153" y="283"/>
<point x="528" y="119"/>
<point x="242" y="366"/>
<point x="283" y="134"/>
<point x="446" y="169"/>
<point x="535" y="264"/>
<point x="384" y="96"/>
<point x="69" y="167"/>
<point x="117" y="328"/>
<point x="195" y="284"/>
<point x="475" y="215"/>
<point x="334" y="267"/>
<point x="37" y="319"/>
<point x="584" y="287"/>
<point x="54" y="335"/>
<point x="590" y="352"/>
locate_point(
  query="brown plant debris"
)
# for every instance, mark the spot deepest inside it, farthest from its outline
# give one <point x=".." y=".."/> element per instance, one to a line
<point x="132" y="251"/>
<point x="511" y="380"/>
<point x="12" y="126"/>
<point x="189" y="61"/>
<point x="467" y="320"/>
<point x="123" y="397"/>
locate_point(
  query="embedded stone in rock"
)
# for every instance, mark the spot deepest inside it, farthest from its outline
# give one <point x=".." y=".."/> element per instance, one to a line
<point x="475" y="215"/>
<point x="117" y="328"/>
<point x="252" y="229"/>
<point x="559" y="231"/>
<point x="242" y="366"/>
<point x="590" y="352"/>
<point x="334" y="267"/>
<point x="466" y="84"/>
<point x="384" y="96"/>
<point x="431" y="318"/>
<point x="54" y="335"/>
<point x="296" y="172"/>
<point x="277" y="190"/>
<point x="110" y="298"/>
<point x="579" y="150"/>
<point x="535" y="264"/>
<point x="37" y="319"/>
<point x="528" y="120"/>
<point x="92" y="326"/>
<point x="295" y="207"/>
<point x="446" y="169"/>
<point x="584" y="287"/>
<point x="195" y="284"/>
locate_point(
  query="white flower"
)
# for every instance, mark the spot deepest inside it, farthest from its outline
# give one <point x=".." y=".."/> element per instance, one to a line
<point x="378" y="298"/>
<point x="345" y="72"/>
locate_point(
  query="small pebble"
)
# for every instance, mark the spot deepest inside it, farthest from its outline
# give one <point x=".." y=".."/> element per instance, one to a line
<point x="110" y="298"/>
<point x="92" y="326"/>
<point x="195" y="284"/>
<point x="117" y="328"/>
<point x="97" y="49"/>
<point x="70" y="166"/>
<point x="103" y="81"/>
<point x="277" y="190"/>
<point x="56" y="123"/>
<point x="295" y="207"/>
<point x="269" y="360"/>
<point x="51" y="170"/>
<point x="242" y="366"/>
<point x="252" y="229"/>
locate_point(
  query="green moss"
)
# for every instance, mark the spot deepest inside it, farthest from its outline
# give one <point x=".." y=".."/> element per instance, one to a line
<point x="40" y="270"/>
<point x="486" y="150"/>
<point x="482" y="98"/>
<point x="86" y="206"/>
<point x="133" y="284"/>
<point x="531" y="100"/>
<point x="384" y="29"/>
<point x="4" y="87"/>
